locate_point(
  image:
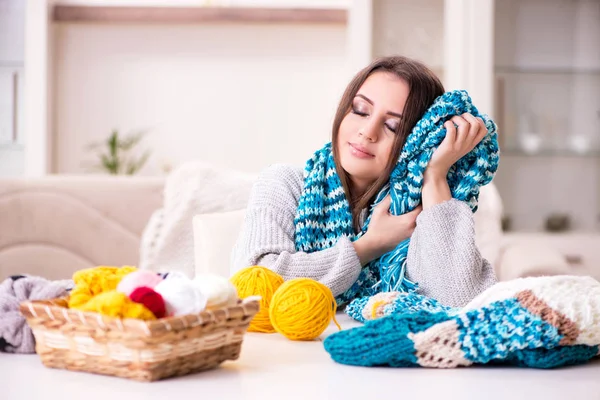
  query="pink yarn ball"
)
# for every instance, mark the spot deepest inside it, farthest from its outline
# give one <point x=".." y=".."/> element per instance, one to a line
<point x="137" y="279"/>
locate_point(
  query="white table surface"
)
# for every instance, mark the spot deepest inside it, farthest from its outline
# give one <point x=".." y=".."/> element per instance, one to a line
<point x="273" y="367"/>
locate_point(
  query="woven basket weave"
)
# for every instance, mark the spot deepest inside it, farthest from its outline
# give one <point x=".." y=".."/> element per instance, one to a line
<point x="136" y="349"/>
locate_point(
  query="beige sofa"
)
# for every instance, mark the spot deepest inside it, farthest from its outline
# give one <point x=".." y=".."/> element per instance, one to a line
<point x="55" y="225"/>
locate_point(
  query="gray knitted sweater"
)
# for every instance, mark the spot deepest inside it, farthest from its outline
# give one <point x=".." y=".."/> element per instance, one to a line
<point x="442" y="257"/>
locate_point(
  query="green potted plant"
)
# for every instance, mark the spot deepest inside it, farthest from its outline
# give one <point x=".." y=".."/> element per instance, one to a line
<point x="116" y="154"/>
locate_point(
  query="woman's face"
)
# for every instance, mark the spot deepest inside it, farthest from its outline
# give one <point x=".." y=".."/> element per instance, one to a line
<point x="366" y="135"/>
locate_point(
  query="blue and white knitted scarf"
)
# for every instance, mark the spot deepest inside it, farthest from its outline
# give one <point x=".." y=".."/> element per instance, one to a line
<point x="539" y="322"/>
<point x="323" y="214"/>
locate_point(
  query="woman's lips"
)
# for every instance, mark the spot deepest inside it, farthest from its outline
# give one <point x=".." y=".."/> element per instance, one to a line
<point x="359" y="151"/>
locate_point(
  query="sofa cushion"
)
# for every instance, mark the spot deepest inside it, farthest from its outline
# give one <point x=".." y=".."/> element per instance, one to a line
<point x="520" y="260"/>
<point x="488" y="224"/>
<point x="215" y="235"/>
<point x="55" y="225"/>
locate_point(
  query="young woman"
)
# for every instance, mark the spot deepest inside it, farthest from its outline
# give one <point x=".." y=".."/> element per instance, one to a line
<point x="378" y="110"/>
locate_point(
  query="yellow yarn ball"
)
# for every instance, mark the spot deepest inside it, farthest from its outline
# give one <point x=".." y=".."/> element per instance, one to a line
<point x="258" y="281"/>
<point x="93" y="281"/>
<point x="117" y="304"/>
<point x="302" y="309"/>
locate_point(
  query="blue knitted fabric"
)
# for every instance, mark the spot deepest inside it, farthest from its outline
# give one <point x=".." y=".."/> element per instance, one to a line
<point x="542" y="322"/>
<point x="371" y="307"/>
<point x="323" y="214"/>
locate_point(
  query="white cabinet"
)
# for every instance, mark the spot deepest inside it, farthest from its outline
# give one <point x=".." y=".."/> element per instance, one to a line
<point x="548" y="73"/>
<point x="547" y="68"/>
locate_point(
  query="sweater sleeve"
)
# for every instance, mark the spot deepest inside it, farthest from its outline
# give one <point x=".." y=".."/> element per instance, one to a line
<point x="443" y="257"/>
<point x="267" y="237"/>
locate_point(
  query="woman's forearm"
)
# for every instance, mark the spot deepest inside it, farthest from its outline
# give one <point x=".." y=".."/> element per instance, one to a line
<point x="443" y="257"/>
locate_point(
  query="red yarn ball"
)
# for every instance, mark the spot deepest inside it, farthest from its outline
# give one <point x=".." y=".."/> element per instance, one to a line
<point x="150" y="299"/>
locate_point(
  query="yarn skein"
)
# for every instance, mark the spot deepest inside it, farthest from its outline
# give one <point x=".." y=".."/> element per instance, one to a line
<point x="219" y="291"/>
<point x="302" y="308"/>
<point x="181" y="296"/>
<point x="150" y="299"/>
<point x="93" y="281"/>
<point x="117" y="304"/>
<point x="258" y="281"/>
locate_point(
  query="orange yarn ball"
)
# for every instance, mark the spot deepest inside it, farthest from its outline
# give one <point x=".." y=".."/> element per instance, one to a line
<point x="258" y="281"/>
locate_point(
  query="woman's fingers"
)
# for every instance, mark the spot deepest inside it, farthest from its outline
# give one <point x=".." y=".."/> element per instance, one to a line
<point x="450" y="132"/>
<point x="384" y="206"/>
<point x="484" y="129"/>
<point x="474" y="129"/>
<point x="417" y="210"/>
<point x="462" y="134"/>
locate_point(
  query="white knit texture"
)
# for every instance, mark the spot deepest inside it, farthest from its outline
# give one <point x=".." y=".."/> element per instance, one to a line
<point x="195" y="188"/>
<point x="562" y="292"/>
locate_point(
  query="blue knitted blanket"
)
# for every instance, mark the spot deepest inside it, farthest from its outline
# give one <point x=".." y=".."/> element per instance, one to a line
<point x="541" y="322"/>
<point x="323" y="214"/>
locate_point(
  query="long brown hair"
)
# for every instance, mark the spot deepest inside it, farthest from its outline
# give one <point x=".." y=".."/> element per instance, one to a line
<point x="424" y="88"/>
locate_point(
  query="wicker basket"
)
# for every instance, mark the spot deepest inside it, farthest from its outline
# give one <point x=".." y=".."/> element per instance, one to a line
<point x="136" y="349"/>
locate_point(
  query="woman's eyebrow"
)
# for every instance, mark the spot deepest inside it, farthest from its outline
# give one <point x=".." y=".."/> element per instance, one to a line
<point x="368" y="100"/>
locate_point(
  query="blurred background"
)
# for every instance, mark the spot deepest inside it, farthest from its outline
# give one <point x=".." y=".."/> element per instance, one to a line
<point x="246" y="83"/>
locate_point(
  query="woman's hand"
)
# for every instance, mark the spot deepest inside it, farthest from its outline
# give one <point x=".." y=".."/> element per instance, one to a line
<point x="457" y="143"/>
<point x="385" y="231"/>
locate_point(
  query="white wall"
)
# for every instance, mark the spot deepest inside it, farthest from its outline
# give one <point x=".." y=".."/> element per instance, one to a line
<point x="410" y="28"/>
<point x="244" y="96"/>
<point x="551" y="35"/>
<point x="11" y="161"/>
<point x="12" y="19"/>
<point x="12" y="31"/>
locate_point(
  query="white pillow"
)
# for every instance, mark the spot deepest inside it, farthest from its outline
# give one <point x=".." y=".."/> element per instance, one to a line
<point x="194" y="188"/>
<point x="215" y="235"/>
<point x="488" y="224"/>
<point x="520" y="260"/>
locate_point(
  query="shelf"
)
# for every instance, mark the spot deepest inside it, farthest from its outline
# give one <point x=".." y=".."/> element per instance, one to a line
<point x="341" y="4"/>
<point x="549" y="153"/>
<point x="11" y="146"/>
<point x="196" y="14"/>
<point x="11" y="64"/>
<point x="548" y="71"/>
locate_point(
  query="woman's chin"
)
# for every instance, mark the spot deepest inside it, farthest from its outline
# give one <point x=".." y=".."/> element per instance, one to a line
<point x="358" y="171"/>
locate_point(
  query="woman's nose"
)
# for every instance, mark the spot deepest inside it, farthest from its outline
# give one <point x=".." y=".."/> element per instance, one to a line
<point x="369" y="131"/>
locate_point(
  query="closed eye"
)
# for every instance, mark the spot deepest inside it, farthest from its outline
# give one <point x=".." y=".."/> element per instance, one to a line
<point x="357" y="112"/>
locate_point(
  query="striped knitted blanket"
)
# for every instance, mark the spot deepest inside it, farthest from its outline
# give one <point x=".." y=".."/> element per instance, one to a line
<point x="540" y="322"/>
<point x="323" y="214"/>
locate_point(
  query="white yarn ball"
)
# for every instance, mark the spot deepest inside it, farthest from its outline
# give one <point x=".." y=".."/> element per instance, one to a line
<point x="176" y="275"/>
<point x="217" y="289"/>
<point x="181" y="296"/>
